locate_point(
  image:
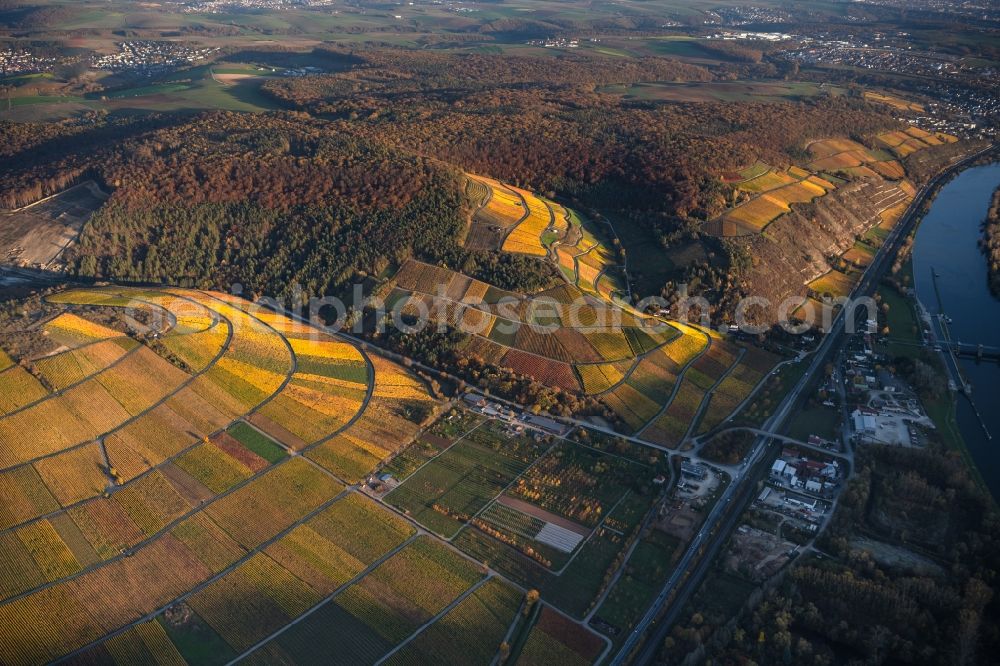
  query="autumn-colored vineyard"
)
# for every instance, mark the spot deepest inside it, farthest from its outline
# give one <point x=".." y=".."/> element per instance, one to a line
<point x="178" y="470"/>
<point x="583" y="336"/>
<point x="211" y="451"/>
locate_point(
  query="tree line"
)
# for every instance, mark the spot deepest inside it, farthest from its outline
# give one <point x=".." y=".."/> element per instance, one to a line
<point x="846" y="605"/>
<point x="991" y="243"/>
<point x="275" y="202"/>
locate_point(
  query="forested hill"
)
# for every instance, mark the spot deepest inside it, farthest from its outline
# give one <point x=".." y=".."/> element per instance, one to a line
<point x="542" y="122"/>
<point x="440" y="76"/>
<point x="267" y="201"/>
<point x="546" y="124"/>
<point x="365" y="170"/>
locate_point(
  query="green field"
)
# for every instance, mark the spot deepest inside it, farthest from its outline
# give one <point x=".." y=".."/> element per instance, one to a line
<point x="575" y="589"/>
<point x="192" y="89"/>
<point x="441" y="435"/>
<point x="257" y="442"/>
<point x="814" y="420"/>
<point x="901" y="319"/>
<point x="574" y="482"/>
<point x="456" y="485"/>
<point x="44" y="99"/>
<point x="143" y="91"/>
<point x="723" y="91"/>
<point x="645" y="573"/>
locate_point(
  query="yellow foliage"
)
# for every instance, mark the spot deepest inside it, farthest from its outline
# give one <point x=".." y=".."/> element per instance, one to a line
<point x="834" y="283"/>
<point x="5" y="360"/>
<point x="80" y="329"/>
<point x="342" y="351"/>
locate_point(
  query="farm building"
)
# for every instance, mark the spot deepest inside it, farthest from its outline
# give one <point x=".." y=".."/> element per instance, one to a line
<point x="694" y="471"/>
<point x="545" y="423"/>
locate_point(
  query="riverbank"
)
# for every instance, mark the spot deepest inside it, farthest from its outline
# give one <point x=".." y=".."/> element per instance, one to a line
<point x="949" y="278"/>
<point x="906" y="340"/>
<point x="991" y="242"/>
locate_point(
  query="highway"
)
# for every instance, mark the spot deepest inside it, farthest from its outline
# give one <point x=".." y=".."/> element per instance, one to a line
<point x="725" y="514"/>
<point x="713" y="533"/>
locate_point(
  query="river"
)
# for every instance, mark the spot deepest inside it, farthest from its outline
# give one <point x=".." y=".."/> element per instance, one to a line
<point x="947" y="242"/>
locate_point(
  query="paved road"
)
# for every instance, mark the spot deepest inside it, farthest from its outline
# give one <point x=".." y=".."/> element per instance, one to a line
<point x="846" y="455"/>
<point x="721" y="521"/>
<point x="718" y="523"/>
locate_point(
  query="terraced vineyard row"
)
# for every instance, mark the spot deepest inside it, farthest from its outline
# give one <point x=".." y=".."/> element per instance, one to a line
<point x="601" y="348"/>
<point x="152" y="480"/>
<point x="526" y="237"/>
<point x="502" y="209"/>
<point x="891" y="201"/>
<point x="553" y="336"/>
<point x="772" y="191"/>
<point x="586" y="259"/>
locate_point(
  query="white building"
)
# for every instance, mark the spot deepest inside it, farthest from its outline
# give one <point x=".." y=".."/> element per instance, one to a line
<point x="864" y="424"/>
<point x="778" y="468"/>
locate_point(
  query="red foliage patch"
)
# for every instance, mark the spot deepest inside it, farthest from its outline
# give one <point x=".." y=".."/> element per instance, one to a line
<point x="570" y="634"/>
<point x="234" y="448"/>
<point x="551" y="373"/>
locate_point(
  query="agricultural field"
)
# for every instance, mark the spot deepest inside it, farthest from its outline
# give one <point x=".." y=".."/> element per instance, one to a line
<point x="834" y="284"/>
<point x="445" y="432"/>
<point x="906" y="142"/>
<point x="767" y="181"/>
<point x="550" y="514"/>
<point x="803" y="191"/>
<point x="709" y="91"/>
<point x="526" y="237"/>
<point x="647" y="570"/>
<point x="586" y="259"/>
<point x="554" y="506"/>
<point x="861" y="255"/>
<point x="707" y="372"/>
<point x="146" y="477"/>
<point x="833" y="155"/>
<point x="752" y="367"/>
<point x="773" y="191"/>
<point x="558" y="336"/>
<point x="754" y="216"/>
<point x="599" y="377"/>
<point x="391" y="418"/>
<point x="555" y="640"/>
<point x="893" y="101"/>
<point x="573" y="584"/>
<point x="502" y="209"/>
<point x="560" y="224"/>
<point x="455" y="486"/>
<point x="469" y="633"/>
<point x="372" y="615"/>
<point x="230" y="86"/>
<point x="19" y="389"/>
<point x="651" y="382"/>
